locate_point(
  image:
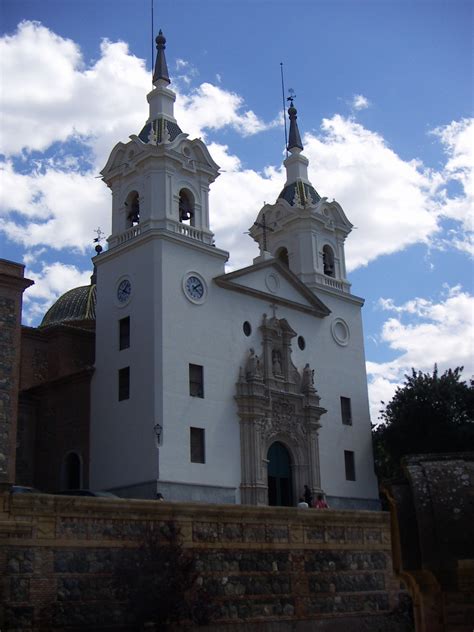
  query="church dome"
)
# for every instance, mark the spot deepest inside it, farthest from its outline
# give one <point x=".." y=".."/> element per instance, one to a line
<point x="302" y="190"/>
<point x="75" y="307"/>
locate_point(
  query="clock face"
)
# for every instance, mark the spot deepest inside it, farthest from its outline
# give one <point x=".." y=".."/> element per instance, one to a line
<point x="194" y="287"/>
<point x="124" y="291"/>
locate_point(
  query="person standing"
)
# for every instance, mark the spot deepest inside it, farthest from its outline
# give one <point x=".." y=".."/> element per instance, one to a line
<point x="320" y="502"/>
<point x="308" y="496"/>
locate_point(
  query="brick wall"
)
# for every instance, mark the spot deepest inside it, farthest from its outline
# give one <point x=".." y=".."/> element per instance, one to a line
<point x="12" y="285"/>
<point x="265" y="568"/>
<point x="54" y="404"/>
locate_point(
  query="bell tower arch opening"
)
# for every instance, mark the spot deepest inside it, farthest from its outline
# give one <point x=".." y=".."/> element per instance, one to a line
<point x="280" y="483"/>
<point x="186" y="207"/>
<point x="328" y="261"/>
<point x="132" y="204"/>
<point x="282" y="255"/>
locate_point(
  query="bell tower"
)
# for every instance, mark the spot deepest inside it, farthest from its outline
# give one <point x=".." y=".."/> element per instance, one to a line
<point x="303" y="230"/>
<point x="160" y="179"/>
<point x="153" y="282"/>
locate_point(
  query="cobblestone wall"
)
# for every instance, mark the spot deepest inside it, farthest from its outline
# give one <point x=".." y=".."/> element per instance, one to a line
<point x="272" y="568"/>
<point x="432" y="517"/>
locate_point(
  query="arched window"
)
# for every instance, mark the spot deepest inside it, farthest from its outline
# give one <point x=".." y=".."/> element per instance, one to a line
<point x="133" y="209"/>
<point x="279" y="476"/>
<point x="186" y="206"/>
<point x="328" y="261"/>
<point x="282" y="255"/>
<point x="72" y="471"/>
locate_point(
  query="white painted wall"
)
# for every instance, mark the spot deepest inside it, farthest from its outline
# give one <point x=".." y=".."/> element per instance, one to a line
<point x="168" y="332"/>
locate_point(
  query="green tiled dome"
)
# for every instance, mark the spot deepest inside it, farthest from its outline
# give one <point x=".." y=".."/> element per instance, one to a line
<point x="75" y="307"/>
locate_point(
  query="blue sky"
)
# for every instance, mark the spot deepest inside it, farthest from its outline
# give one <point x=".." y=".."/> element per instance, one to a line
<point x="384" y="92"/>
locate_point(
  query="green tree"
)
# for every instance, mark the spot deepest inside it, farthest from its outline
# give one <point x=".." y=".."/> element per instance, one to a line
<point x="428" y="414"/>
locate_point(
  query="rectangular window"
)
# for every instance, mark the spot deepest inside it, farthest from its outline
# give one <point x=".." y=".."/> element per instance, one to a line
<point x="124" y="333"/>
<point x="196" y="380"/>
<point x="346" y="411"/>
<point x="124" y="383"/>
<point x="197" y="445"/>
<point x="350" y="465"/>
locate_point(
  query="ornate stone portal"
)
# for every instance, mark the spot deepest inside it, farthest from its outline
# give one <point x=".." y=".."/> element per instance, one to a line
<point x="277" y="403"/>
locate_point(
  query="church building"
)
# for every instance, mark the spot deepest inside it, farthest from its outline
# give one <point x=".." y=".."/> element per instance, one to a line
<point x="169" y="374"/>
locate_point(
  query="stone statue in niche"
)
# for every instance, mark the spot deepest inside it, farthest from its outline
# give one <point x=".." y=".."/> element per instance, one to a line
<point x="276" y="362"/>
<point x="252" y="366"/>
<point x="307" y="383"/>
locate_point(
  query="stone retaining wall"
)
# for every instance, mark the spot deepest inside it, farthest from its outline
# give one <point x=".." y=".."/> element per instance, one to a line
<point x="264" y="568"/>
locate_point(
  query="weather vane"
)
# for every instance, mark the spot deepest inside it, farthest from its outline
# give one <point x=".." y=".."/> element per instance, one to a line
<point x="98" y="239"/>
<point x="292" y="96"/>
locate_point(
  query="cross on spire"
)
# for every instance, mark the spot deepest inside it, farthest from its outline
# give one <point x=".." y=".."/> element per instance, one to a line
<point x="264" y="227"/>
<point x="98" y="239"/>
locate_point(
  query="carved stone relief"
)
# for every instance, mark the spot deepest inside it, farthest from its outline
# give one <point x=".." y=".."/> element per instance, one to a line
<point x="277" y="402"/>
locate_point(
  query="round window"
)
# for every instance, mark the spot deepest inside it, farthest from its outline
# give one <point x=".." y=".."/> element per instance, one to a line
<point x="340" y="332"/>
<point x="301" y="342"/>
<point x="247" y="327"/>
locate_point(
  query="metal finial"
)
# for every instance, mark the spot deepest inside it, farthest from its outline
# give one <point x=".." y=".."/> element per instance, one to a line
<point x="160" y="40"/>
<point x="161" y="67"/>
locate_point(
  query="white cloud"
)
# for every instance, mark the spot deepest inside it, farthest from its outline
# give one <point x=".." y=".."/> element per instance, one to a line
<point x="54" y="203"/>
<point x="211" y="107"/>
<point x="359" y="102"/>
<point x="423" y="333"/>
<point x="392" y="202"/>
<point x="389" y="200"/>
<point x="185" y="72"/>
<point x="58" y="209"/>
<point x="458" y="142"/>
<point x="50" y="282"/>
<point x="32" y="256"/>
<point x="51" y="96"/>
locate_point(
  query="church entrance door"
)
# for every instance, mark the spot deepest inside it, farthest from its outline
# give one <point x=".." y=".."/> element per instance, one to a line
<point x="279" y="476"/>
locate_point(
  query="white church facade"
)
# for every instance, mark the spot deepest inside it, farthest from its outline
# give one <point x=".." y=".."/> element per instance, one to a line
<point x="237" y="387"/>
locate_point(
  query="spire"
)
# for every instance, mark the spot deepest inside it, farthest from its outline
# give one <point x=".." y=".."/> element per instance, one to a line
<point x="161" y="127"/>
<point x="294" y="141"/>
<point x="298" y="190"/>
<point x="161" y="68"/>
